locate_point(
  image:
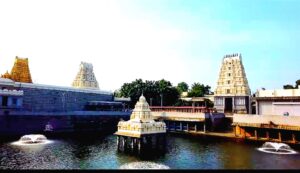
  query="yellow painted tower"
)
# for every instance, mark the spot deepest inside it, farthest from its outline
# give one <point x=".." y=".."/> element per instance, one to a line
<point x="20" y="71"/>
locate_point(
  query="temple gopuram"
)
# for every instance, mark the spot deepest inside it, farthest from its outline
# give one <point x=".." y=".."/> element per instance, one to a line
<point x="20" y="71"/>
<point x="141" y="131"/>
<point x="232" y="94"/>
<point x="85" y="78"/>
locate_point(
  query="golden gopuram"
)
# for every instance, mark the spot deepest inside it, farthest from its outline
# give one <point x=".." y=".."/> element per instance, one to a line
<point x="20" y="71"/>
<point x="232" y="94"/>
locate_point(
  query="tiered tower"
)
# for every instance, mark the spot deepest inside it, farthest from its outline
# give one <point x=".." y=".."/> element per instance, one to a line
<point x="85" y="77"/>
<point x="6" y="75"/>
<point x="20" y="71"/>
<point x="232" y="94"/>
<point x="141" y="129"/>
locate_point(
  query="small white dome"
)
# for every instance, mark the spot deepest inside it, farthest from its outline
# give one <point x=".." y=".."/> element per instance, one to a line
<point x="142" y="98"/>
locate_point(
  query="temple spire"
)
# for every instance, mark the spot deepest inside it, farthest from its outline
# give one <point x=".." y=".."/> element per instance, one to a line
<point x="85" y="78"/>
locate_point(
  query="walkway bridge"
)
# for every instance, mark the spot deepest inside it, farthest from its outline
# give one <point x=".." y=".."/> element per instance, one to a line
<point x="187" y="118"/>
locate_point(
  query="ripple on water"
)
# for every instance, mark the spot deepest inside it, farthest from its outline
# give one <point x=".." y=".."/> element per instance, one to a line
<point x="143" y="165"/>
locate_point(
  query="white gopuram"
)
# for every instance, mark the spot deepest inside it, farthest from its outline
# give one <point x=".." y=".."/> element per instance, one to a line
<point x="232" y="94"/>
<point x="140" y="129"/>
<point x="85" y="78"/>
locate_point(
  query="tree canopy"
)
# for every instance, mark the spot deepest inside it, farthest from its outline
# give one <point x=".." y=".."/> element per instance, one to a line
<point x="161" y="92"/>
<point x="182" y="87"/>
<point x="297" y="83"/>
<point x="199" y="90"/>
<point x="289" y="86"/>
<point x="154" y="91"/>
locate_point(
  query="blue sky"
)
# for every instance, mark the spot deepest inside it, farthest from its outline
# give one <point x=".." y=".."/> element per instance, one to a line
<point x="179" y="40"/>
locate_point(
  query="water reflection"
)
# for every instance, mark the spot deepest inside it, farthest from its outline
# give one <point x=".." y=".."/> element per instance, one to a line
<point x="235" y="156"/>
<point x="181" y="153"/>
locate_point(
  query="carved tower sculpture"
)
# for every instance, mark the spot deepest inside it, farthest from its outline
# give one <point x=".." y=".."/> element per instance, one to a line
<point x="20" y="71"/>
<point x="85" y="77"/>
<point x="141" y="129"/>
<point x="232" y="94"/>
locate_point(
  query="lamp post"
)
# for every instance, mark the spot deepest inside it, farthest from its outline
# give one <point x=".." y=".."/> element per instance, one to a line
<point x="151" y="101"/>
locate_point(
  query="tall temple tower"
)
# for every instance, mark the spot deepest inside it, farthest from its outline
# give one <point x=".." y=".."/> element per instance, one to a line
<point x="20" y="71"/>
<point x="232" y="94"/>
<point x="85" y="77"/>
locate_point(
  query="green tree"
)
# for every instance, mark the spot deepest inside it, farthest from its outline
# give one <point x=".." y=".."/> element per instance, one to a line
<point x="199" y="90"/>
<point x="209" y="103"/>
<point x="154" y="91"/>
<point x="182" y="87"/>
<point x="117" y="93"/>
<point x="297" y="83"/>
<point x="288" y="86"/>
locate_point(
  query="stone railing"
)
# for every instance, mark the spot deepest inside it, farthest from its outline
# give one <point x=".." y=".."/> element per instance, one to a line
<point x="258" y="120"/>
<point x="179" y="116"/>
<point x="11" y="92"/>
<point x="187" y="109"/>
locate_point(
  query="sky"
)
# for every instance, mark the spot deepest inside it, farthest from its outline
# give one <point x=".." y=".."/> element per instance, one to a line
<point x="176" y="40"/>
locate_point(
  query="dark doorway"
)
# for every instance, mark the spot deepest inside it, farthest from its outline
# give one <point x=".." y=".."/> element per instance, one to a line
<point x="228" y="105"/>
<point x="4" y="101"/>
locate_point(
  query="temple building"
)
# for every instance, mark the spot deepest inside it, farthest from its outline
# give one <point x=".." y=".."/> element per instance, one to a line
<point x="20" y="71"/>
<point x="141" y="130"/>
<point x="232" y="94"/>
<point x="284" y="102"/>
<point x="85" y="78"/>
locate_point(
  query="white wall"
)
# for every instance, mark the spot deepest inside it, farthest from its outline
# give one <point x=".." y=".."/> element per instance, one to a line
<point x="265" y="108"/>
<point x="265" y="119"/>
<point x="278" y="108"/>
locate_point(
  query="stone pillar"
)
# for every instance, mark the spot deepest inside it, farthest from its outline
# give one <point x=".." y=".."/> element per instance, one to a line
<point x="267" y="135"/>
<point x="256" y="107"/>
<point x="118" y="142"/>
<point x="139" y="145"/>
<point x="9" y="101"/>
<point x="187" y="126"/>
<point x="204" y="127"/>
<point x="19" y="102"/>
<point x="249" y="106"/>
<point x="180" y="126"/>
<point x="122" y="144"/>
<point x="244" y="133"/>
<point x="223" y="104"/>
<point x="279" y="136"/>
<point x="255" y="134"/>
<point x="233" y="105"/>
<point x="195" y="127"/>
<point x="132" y="143"/>
<point x="294" y="138"/>
<point x="125" y="142"/>
<point x="168" y="125"/>
<point x="235" y="130"/>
